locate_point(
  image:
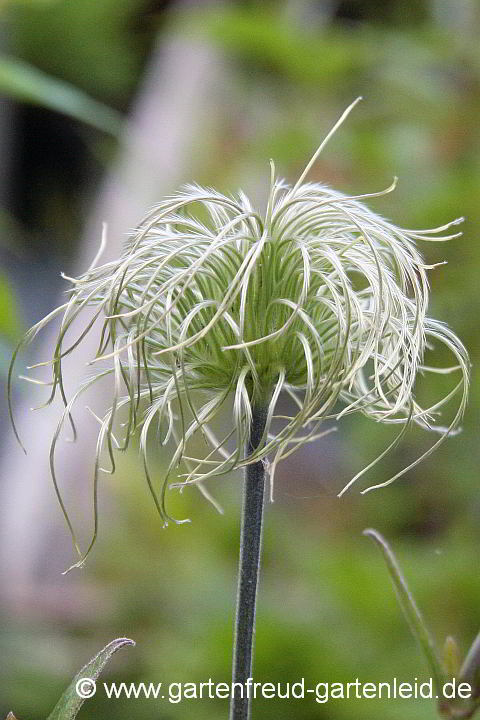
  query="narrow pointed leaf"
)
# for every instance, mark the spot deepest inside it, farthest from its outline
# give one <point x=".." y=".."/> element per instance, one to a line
<point x="470" y="671"/>
<point x="70" y="703"/>
<point x="410" y="609"/>
<point x="28" y="84"/>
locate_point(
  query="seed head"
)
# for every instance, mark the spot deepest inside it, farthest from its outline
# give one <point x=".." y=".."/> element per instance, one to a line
<point x="318" y="298"/>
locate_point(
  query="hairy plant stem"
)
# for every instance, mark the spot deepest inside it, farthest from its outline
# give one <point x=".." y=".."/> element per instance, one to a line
<point x="249" y="565"/>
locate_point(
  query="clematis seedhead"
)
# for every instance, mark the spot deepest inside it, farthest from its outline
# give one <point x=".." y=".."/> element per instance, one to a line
<point x="213" y="304"/>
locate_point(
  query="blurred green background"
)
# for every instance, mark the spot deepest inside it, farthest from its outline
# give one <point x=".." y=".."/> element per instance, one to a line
<point x="71" y="73"/>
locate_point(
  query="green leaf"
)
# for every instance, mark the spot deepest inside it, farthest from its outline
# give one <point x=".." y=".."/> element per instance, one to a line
<point x="470" y="671"/>
<point x="411" y="611"/>
<point x="71" y="701"/>
<point x="28" y="84"/>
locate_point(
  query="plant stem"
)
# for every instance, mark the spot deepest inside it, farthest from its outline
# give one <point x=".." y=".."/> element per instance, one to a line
<point x="249" y="565"/>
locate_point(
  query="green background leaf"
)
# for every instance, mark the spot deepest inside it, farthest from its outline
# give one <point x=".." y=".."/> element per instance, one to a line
<point x="28" y="84"/>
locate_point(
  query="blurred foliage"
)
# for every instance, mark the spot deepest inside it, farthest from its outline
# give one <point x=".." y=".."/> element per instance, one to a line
<point x="93" y="44"/>
<point x="275" y="45"/>
<point x="10" y="325"/>
<point x="27" y="84"/>
<point x="83" y="59"/>
<point x="326" y="610"/>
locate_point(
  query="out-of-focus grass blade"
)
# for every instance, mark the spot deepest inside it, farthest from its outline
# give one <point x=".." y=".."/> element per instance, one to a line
<point x="410" y="609"/>
<point x="28" y="84"/>
<point x="71" y="701"/>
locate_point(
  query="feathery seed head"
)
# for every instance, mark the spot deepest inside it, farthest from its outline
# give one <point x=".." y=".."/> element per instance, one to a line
<point x="318" y="297"/>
